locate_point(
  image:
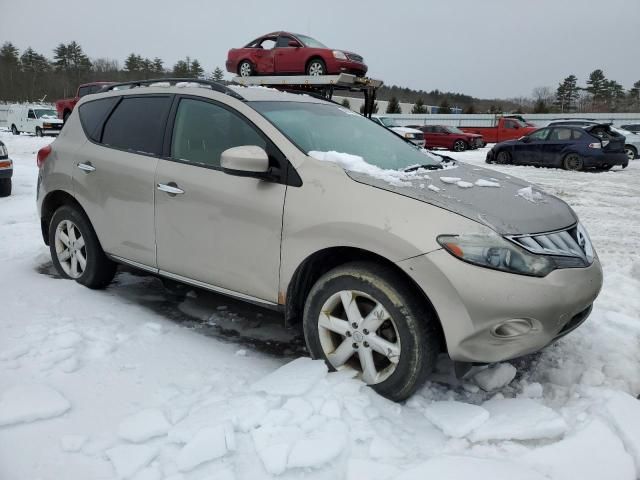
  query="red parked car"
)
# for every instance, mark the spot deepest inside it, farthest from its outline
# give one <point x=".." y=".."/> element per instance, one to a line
<point x="66" y="105"/>
<point x="451" y="138"/>
<point x="290" y="53"/>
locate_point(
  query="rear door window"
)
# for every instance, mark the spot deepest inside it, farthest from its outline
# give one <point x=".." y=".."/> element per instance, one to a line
<point x="93" y="114"/>
<point x="560" y="134"/>
<point x="137" y="124"/>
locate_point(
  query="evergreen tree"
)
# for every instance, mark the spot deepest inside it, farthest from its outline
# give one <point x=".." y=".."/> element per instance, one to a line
<point x="33" y="66"/>
<point x="158" y="65"/>
<point x="9" y="68"/>
<point x="419" y="107"/>
<point x="393" y="106"/>
<point x="196" y="70"/>
<point x="346" y="103"/>
<point x="471" y="109"/>
<point x="133" y="63"/>
<point x="444" y="106"/>
<point x="634" y="95"/>
<point x="218" y="75"/>
<point x="540" y="106"/>
<point x="614" y="95"/>
<point x="567" y="94"/>
<point x="597" y="87"/>
<point x="181" y="69"/>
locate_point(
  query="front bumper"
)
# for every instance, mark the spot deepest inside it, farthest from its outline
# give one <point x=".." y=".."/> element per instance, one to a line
<point x="472" y="301"/>
<point x="347" y="66"/>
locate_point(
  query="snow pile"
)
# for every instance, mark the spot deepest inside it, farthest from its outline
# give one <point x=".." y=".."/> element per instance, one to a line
<point x="450" y="180"/>
<point x="529" y="194"/>
<point x="463" y="184"/>
<point x="295" y="378"/>
<point x="30" y="402"/>
<point x="456" y="419"/>
<point x="481" y="182"/>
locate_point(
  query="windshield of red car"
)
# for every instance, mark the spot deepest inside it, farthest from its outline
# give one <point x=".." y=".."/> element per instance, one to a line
<point x="310" y="42"/>
<point x="323" y="127"/>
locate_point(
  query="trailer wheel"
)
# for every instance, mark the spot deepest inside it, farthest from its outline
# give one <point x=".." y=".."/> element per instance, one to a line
<point x="245" y="69"/>
<point x="316" y="67"/>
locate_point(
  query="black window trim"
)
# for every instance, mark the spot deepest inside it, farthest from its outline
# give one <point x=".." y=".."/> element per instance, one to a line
<point x="108" y="116"/>
<point x="288" y="175"/>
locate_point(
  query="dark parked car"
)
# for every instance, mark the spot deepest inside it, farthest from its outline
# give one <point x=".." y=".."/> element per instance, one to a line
<point x="6" y="171"/>
<point x="290" y="53"/>
<point x="451" y="138"/>
<point x="633" y="127"/>
<point x="567" y="146"/>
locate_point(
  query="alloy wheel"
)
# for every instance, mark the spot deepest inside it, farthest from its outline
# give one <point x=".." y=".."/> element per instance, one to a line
<point x="70" y="249"/>
<point x="316" y="68"/>
<point x="356" y="330"/>
<point x="630" y="153"/>
<point x="458" y="146"/>
<point x="573" y="162"/>
<point x="245" y="70"/>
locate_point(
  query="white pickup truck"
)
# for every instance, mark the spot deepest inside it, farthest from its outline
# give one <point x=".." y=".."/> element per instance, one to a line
<point x="414" y="136"/>
<point x="36" y="119"/>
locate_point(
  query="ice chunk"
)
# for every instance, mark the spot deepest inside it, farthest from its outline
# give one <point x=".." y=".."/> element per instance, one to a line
<point x="450" y="180"/>
<point x="208" y="444"/>
<point x="623" y="413"/>
<point x="529" y="194"/>
<point x="273" y="444"/>
<point x="129" y="459"/>
<point x="294" y="378"/>
<point x="433" y="187"/>
<point x="319" y="446"/>
<point x="592" y="453"/>
<point x="456" y="419"/>
<point x="518" y="419"/>
<point x="463" y="184"/>
<point x="143" y="425"/>
<point x="72" y="443"/>
<point x="481" y="182"/>
<point x="465" y="468"/>
<point x="496" y="376"/>
<point x="30" y="402"/>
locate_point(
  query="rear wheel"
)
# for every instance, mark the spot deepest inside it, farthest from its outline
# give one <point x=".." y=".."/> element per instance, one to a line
<point x="503" y="158"/>
<point x="572" y="162"/>
<point x="630" y="151"/>
<point x="76" y="251"/>
<point x="5" y="187"/>
<point x="316" y="67"/>
<point x="38" y="132"/>
<point x="459" y="146"/>
<point x="366" y="317"/>
<point x="245" y="69"/>
<point x="15" y="130"/>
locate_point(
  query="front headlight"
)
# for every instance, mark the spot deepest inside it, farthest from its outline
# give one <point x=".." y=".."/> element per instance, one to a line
<point x="409" y="135"/>
<point x="339" y="55"/>
<point x="490" y="250"/>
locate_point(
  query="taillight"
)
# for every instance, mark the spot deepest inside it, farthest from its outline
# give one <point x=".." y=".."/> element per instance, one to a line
<point x="595" y="145"/>
<point x="43" y="153"/>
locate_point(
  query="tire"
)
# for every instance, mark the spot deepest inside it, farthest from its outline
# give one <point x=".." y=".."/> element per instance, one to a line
<point x="572" y="161"/>
<point x="630" y="151"/>
<point x="316" y="67"/>
<point x="5" y="187"/>
<point x="245" y="69"/>
<point x="39" y="132"/>
<point x="503" y="158"/>
<point x="459" y="146"/>
<point x="409" y="333"/>
<point x="15" y="130"/>
<point x="98" y="270"/>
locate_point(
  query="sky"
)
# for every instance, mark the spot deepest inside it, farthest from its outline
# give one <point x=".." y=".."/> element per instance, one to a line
<point x="484" y="48"/>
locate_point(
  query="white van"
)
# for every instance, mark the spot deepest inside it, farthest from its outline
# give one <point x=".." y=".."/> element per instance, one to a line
<point x="37" y="119"/>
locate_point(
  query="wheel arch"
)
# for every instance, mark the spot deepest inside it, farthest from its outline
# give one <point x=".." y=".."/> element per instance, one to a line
<point x="50" y="204"/>
<point x="246" y="59"/>
<point x="312" y="57"/>
<point x="320" y="262"/>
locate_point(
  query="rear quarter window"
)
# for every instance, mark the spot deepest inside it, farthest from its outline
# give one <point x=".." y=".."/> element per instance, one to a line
<point x="92" y="116"/>
<point x="137" y="124"/>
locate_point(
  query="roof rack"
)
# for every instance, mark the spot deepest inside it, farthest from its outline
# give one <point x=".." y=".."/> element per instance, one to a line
<point x="216" y="86"/>
<point x="319" y="85"/>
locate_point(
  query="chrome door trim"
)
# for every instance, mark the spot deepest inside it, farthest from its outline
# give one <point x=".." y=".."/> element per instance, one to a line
<point x="213" y="288"/>
<point x="139" y="265"/>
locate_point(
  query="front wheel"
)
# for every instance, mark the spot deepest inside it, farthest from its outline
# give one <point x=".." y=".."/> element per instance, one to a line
<point x="245" y="69"/>
<point x="316" y="67"/>
<point x="5" y="187"/>
<point x="572" y="162"/>
<point x="459" y="146"/>
<point x="76" y="251"/>
<point x="366" y="317"/>
<point x="15" y="130"/>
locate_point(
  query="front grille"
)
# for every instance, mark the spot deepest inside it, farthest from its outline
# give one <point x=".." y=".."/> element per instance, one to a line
<point x="355" y="57"/>
<point x="567" y="245"/>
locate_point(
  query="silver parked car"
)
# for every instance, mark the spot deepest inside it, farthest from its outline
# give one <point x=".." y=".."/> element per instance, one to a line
<point x="230" y="190"/>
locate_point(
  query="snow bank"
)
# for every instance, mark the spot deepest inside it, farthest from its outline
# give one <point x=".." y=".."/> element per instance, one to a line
<point x="30" y="402"/>
<point x="456" y="419"/>
<point x="518" y="419"/>
<point x="622" y="412"/>
<point x="294" y="378"/>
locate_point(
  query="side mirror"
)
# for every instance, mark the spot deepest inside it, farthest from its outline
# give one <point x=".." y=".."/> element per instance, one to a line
<point x="293" y="43"/>
<point x="246" y="161"/>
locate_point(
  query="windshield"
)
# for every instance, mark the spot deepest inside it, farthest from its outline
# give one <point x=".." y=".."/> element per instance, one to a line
<point x="45" y="113"/>
<point x="389" y="122"/>
<point x="453" y="130"/>
<point x="310" y="42"/>
<point x="329" y="128"/>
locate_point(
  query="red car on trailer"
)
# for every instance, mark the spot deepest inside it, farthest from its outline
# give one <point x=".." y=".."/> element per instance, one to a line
<point x="291" y="53"/>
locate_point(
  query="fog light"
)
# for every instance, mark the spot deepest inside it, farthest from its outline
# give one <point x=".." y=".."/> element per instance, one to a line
<point x="512" y="328"/>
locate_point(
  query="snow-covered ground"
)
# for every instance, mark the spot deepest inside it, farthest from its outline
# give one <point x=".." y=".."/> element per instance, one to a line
<point x="128" y="383"/>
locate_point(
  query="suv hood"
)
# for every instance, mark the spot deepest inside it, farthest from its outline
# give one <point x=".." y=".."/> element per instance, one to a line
<point x="514" y="207"/>
<point x="405" y="130"/>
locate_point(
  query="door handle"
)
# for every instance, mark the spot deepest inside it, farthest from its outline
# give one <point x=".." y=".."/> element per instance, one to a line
<point x="86" y="167"/>
<point x="171" y="188"/>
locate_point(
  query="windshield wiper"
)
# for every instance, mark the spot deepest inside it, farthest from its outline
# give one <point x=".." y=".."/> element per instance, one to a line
<point x="426" y="166"/>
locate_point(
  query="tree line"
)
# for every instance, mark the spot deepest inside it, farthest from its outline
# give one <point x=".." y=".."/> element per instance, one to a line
<point x="31" y="76"/>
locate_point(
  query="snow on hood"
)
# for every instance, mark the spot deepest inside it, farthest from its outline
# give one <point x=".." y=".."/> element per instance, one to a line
<point x="405" y="130"/>
<point x="507" y="205"/>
